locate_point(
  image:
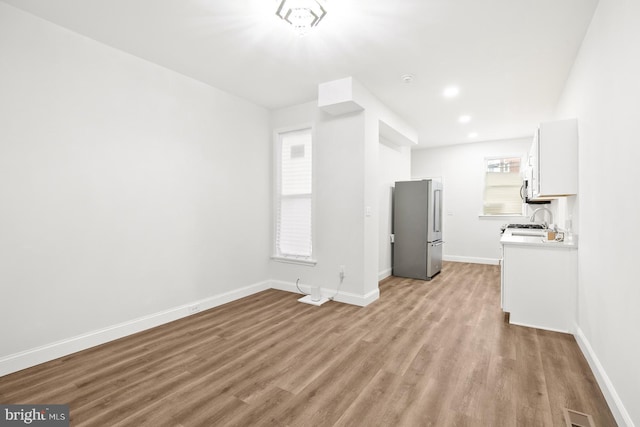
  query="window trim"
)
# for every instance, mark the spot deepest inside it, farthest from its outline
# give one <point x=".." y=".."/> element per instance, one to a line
<point x="523" y="164"/>
<point x="277" y="151"/>
<point x="293" y="260"/>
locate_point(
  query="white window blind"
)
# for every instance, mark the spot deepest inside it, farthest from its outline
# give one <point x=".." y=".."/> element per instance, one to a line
<point x="294" y="195"/>
<point x="502" y="187"/>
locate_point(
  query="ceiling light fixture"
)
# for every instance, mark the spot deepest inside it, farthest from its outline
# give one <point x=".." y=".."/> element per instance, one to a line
<point x="464" y="119"/>
<point x="302" y="15"/>
<point x="407" y="78"/>
<point x="450" y="92"/>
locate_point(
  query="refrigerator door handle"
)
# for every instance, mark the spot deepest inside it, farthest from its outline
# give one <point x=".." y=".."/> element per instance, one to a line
<point x="437" y="210"/>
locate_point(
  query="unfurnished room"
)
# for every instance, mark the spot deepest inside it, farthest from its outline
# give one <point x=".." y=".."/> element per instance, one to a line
<point x="319" y="213"/>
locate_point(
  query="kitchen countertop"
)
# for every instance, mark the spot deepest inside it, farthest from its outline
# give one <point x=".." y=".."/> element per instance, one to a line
<point x="508" y="238"/>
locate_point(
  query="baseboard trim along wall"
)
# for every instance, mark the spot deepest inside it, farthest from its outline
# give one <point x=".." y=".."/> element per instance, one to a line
<point x="339" y="296"/>
<point x="384" y="274"/>
<point x="615" y="403"/>
<point x="359" y="300"/>
<point x="32" y="357"/>
<point x="526" y="325"/>
<point x="471" y="260"/>
<point x="26" y="359"/>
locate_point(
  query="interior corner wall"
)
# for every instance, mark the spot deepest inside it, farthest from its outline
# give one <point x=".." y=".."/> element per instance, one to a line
<point x="338" y="151"/>
<point x="127" y="189"/>
<point x="371" y="242"/>
<point x="468" y="236"/>
<point x="395" y="165"/>
<point x="602" y="91"/>
<point x="375" y="113"/>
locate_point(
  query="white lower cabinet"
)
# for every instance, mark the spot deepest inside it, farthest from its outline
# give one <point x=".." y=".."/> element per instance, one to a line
<point x="539" y="286"/>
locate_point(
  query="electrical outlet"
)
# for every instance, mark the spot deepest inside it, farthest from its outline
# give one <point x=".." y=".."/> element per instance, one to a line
<point x="194" y="309"/>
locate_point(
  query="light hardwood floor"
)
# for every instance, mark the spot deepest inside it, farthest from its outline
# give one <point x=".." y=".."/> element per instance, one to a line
<point x="432" y="353"/>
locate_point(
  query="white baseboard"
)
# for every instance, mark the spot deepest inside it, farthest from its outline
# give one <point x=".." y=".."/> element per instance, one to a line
<point x="527" y="325"/>
<point x="16" y="362"/>
<point x="472" y="260"/>
<point x="25" y="359"/>
<point x="289" y="287"/>
<point x="341" y="296"/>
<point x="615" y="403"/>
<point x="384" y="274"/>
<point x="359" y="300"/>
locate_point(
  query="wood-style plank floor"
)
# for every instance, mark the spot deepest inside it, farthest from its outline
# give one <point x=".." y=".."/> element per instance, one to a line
<point x="432" y="353"/>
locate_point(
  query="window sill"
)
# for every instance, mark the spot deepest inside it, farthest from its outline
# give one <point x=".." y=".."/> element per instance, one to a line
<point x="290" y="260"/>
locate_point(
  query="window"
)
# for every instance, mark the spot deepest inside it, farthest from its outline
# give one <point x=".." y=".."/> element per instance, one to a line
<point x="502" y="185"/>
<point x="294" y="186"/>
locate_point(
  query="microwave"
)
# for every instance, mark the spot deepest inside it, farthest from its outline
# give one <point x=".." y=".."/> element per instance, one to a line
<point x="526" y="194"/>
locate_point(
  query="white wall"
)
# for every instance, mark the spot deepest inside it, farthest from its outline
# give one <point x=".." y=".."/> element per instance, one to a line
<point x="395" y="165"/>
<point x="339" y="199"/>
<point x="347" y="165"/>
<point x="603" y="92"/>
<point x="468" y="236"/>
<point x="126" y="189"/>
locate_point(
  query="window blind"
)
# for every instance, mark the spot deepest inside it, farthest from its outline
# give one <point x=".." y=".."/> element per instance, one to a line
<point x="502" y="187"/>
<point x="294" y="195"/>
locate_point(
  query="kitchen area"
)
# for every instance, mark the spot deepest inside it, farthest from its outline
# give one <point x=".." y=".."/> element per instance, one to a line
<point x="550" y="257"/>
<point x="539" y="260"/>
<point x="539" y="277"/>
<point x="535" y="249"/>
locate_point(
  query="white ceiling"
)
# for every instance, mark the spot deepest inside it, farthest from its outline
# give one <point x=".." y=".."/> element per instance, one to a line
<point x="510" y="58"/>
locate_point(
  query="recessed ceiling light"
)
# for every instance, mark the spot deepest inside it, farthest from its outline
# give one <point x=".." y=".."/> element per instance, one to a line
<point x="464" y="119"/>
<point x="407" y="78"/>
<point x="451" y="92"/>
<point x="473" y="135"/>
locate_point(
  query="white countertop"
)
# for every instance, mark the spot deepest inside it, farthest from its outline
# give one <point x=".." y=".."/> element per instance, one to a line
<point x="528" y="238"/>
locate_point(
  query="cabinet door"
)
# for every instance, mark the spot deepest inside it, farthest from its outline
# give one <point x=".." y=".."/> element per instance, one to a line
<point x="557" y="158"/>
<point x="502" y="304"/>
<point x="540" y="286"/>
<point x="534" y="154"/>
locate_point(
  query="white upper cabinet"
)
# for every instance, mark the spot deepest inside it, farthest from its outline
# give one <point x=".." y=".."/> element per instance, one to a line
<point x="553" y="160"/>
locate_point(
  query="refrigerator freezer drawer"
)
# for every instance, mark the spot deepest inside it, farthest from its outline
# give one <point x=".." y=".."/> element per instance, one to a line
<point x="434" y="258"/>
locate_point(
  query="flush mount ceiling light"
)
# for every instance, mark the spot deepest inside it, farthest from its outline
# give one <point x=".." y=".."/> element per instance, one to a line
<point x="302" y="15"/>
<point x="464" y="119"/>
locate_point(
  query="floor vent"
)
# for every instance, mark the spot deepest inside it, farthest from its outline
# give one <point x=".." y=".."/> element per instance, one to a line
<point x="577" y="419"/>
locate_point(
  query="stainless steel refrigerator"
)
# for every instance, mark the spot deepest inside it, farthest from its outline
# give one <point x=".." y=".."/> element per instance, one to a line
<point x="417" y="229"/>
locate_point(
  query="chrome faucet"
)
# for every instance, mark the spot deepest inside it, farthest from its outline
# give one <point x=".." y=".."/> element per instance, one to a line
<point x="533" y="216"/>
